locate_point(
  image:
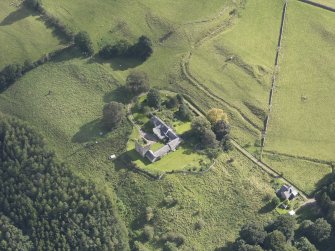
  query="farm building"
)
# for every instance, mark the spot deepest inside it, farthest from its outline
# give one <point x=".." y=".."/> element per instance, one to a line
<point x="163" y="132"/>
<point x="287" y="192"/>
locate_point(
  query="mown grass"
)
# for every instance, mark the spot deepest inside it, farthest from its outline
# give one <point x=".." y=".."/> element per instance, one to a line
<point x="22" y="35"/>
<point x="306" y="175"/>
<point x="303" y="122"/>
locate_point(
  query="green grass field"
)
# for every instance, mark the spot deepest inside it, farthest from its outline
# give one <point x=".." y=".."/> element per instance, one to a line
<point x="306" y="175"/>
<point x="22" y="35"/>
<point x="239" y="71"/>
<point x="302" y="122"/>
<point x="64" y="98"/>
<point x="329" y="3"/>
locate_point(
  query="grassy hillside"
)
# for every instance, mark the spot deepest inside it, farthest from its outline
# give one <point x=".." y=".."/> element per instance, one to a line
<point x="238" y="71"/>
<point x="224" y="198"/>
<point x="302" y="121"/>
<point x="306" y="175"/>
<point x="329" y="3"/>
<point x="22" y="35"/>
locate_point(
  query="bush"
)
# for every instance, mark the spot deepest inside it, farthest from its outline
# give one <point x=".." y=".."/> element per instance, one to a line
<point x="154" y="98"/>
<point x="141" y="50"/>
<point x="319" y="231"/>
<point x="215" y="114"/>
<point x="185" y="113"/>
<point x="200" y="224"/>
<point x="149" y="214"/>
<point x="83" y="43"/>
<point x="253" y="233"/>
<point x="113" y="113"/>
<point x="172" y="102"/>
<point x="303" y="244"/>
<point x="137" y="82"/>
<point x="169" y="201"/>
<point x="148" y="233"/>
<point x="176" y="238"/>
<point x="10" y="74"/>
<point x="120" y="49"/>
<point x="275" y="241"/>
<point x="221" y="129"/>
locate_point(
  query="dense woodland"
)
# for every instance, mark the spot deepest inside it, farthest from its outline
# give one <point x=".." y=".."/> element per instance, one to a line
<point x="43" y="205"/>
<point x="287" y="233"/>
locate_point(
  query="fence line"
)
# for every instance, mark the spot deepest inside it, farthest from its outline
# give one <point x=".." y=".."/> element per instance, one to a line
<point x="273" y="84"/>
<point x="318" y="5"/>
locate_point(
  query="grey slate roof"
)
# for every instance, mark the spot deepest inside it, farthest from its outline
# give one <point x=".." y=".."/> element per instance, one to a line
<point x="287" y="192"/>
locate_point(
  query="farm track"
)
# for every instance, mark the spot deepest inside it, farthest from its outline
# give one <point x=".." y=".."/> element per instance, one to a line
<point x="188" y="75"/>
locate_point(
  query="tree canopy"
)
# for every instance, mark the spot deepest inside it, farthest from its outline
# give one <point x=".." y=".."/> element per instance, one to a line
<point x="83" y="42"/>
<point x="216" y="114"/>
<point x="43" y="199"/>
<point x="137" y="82"/>
<point x="113" y="113"/>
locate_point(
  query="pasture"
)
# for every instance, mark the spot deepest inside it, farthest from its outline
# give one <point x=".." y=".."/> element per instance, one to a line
<point x="306" y="175"/>
<point x="232" y="56"/>
<point x="239" y="71"/>
<point x="22" y="35"/>
<point x="302" y="122"/>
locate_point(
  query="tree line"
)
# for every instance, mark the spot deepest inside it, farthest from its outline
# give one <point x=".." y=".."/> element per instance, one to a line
<point x="43" y="205"/>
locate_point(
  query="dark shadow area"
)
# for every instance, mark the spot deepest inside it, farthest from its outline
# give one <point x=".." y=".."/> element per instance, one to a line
<point x="89" y="132"/>
<point x="323" y="182"/>
<point x="19" y="14"/>
<point x="266" y="209"/>
<point x="121" y="95"/>
<point x="58" y="30"/>
<point x="66" y="54"/>
<point x="310" y="211"/>
<point x="118" y="63"/>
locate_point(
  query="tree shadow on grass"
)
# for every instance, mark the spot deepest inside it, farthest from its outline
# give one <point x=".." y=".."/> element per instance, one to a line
<point x="322" y="182"/>
<point x="266" y="208"/>
<point x="89" y="132"/>
<point x="17" y="15"/>
<point x="67" y="54"/>
<point x="118" y="63"/>
<point x="120" y="95"/>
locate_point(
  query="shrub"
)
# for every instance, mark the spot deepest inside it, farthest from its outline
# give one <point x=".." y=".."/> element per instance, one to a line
<point x="149" y="214"/>
<point x="216" y="114"/>
<point x="113" y="113"/>
<point x="137" y="82"/>
<point x="176" y="238"/>
<point x="142" y="49"/>
<point x="148" y="233"/>
<point x="200" y="224"/>
<point x="275" y="241"/>
<point x="319" y="231"/>
<point x="120" y="49"/>
<point x="253" y="233"/>
<point x="184" y="112"/>
<point x="154" y="98"/>
<point x="303" y="244"/>
<point x="83" y="43"/>
<point x="172" y="102"/>
<point x="169" y="201"/>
